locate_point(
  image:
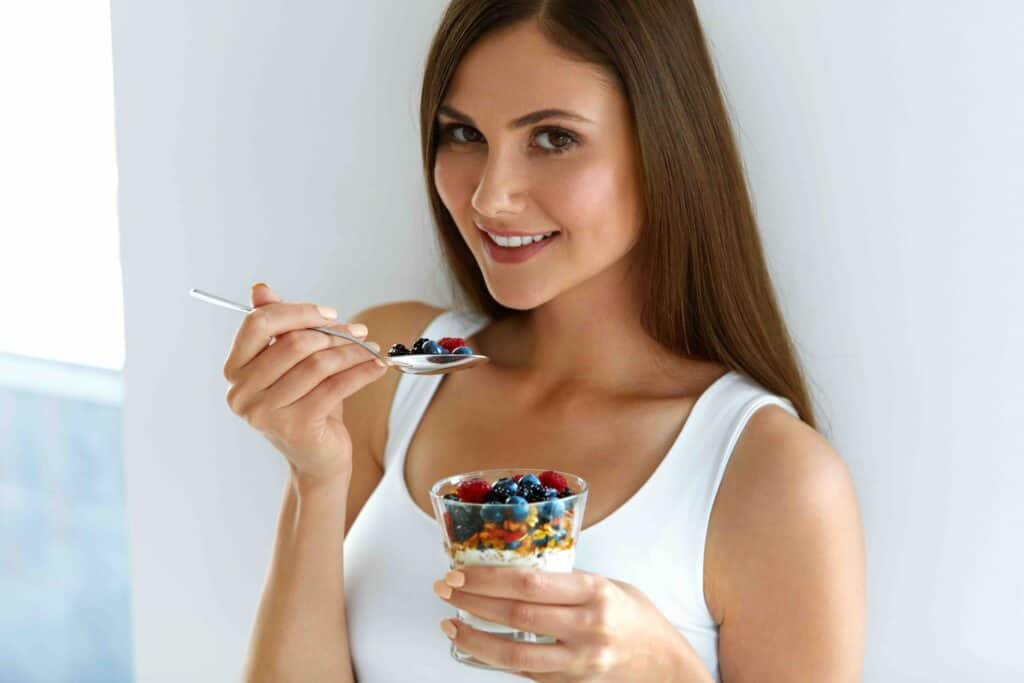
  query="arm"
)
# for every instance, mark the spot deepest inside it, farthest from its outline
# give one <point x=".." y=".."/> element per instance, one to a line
<point x="784" y="565"/>
<point x="301" y="632"/>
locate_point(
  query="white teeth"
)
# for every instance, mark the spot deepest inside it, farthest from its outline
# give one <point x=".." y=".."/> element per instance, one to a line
<point x="518" y="240"/>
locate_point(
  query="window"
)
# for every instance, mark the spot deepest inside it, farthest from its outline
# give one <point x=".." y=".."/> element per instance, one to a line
<point x="64" y="582"/>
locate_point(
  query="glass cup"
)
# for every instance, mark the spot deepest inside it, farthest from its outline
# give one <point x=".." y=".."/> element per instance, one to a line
<point x="541" y="534"/>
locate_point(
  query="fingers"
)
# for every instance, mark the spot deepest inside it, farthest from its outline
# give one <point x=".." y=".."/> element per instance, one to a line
<point x="558" y="621"/>
<point x="270" y="320"/>
<point x="291" y="349"/>
<point x="323" y="400"/>
<point x="556" y="588"/>
<point x="510" y="654"/>
<point x="315" y="369"/>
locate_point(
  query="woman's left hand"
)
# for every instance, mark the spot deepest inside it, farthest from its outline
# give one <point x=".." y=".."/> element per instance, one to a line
<point x="607" y="630"/>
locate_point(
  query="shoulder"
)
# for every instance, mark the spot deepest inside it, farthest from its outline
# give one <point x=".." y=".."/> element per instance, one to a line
<point x="396" y="321"/>
<point x="786" y="518"/>
<point x="387" y="324"/>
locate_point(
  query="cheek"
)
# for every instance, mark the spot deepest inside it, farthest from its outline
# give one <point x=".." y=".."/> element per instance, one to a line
<point x="595" y="204"/>
<point x="453" y="180"/>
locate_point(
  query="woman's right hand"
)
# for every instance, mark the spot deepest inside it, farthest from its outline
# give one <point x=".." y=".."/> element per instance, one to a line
<point x="292" y="390"/>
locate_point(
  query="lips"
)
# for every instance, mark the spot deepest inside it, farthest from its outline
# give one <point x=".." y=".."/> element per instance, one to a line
<point x="510" y="233"/>
<point x="512" y="255"/>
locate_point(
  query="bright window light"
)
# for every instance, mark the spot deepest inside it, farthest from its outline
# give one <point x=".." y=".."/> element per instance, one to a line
<point x="60" y="272"/>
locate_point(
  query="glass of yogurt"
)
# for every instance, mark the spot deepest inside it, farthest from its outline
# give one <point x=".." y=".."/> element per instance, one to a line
<point x="521" y="517"/>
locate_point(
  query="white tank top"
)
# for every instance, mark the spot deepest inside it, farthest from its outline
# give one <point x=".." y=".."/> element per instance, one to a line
<point x="394" y="551"/>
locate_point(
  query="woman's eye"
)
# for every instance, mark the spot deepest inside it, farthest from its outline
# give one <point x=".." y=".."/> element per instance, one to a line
<point x="451" y="129"/>
<point x="559" y="140"/>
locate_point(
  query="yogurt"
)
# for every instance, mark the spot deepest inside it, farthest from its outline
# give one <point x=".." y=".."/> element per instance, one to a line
<point x="550" y="560"/>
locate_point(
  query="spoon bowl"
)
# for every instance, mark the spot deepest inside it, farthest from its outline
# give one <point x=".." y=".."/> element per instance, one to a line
<point x="412" y="364"/>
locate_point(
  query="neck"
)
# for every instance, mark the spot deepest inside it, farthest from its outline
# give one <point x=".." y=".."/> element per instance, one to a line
<point x="588" y="338"/>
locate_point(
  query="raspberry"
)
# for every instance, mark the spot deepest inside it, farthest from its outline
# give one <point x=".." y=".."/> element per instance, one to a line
<point x="553" y="480"/>
<point x="518" y="477"/>
<point x="473" y="490"/>
<point x="449" y="344"/>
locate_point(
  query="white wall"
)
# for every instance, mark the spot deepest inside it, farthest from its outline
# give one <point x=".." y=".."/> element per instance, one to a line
<point x="264" y="141"/>
<point x="257" y="140"/>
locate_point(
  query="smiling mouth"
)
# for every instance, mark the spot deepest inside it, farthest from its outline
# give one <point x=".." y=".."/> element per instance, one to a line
<point x="517" y="241"/>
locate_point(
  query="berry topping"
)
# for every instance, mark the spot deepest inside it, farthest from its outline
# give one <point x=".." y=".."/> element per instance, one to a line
<point x="565" y="493"/>
<point x="505" y="487"/>
<point x="550" y="494"/>
<point x="531" y="489"/>
<point x="450" y="496"/>
<point x="398" y="350"/>
<point x="433" y="348"/>
<point x="451" y="343"/>
<point x="474" y="491"/>
<point x="528" y="478"/>
<point x="518" y="477"/>
<point x="417" y="347"/>
<point x="553" y="480"/>
<point x="463" y="351"/>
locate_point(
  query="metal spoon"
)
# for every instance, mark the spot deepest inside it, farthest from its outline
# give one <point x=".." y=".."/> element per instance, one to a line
<point x="417" y="364"/>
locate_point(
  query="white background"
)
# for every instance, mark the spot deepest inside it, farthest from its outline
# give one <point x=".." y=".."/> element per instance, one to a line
<point x="883" y="142"/>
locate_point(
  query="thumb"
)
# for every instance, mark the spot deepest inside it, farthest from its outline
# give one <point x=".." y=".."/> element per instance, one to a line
<point x="261" y="294"/>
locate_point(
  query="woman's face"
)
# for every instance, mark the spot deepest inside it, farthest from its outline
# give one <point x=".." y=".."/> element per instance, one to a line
<point x="574" y="176"/>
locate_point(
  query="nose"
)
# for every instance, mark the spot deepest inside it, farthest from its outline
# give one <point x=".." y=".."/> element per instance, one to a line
<point x="502" y="187"/>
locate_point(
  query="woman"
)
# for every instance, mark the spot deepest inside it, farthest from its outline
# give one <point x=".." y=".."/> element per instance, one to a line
<point x="637" y="343"/>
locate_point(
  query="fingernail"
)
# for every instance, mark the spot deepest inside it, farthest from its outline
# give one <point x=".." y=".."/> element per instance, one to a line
<point x="328" y="312"/>
<point x="259" y="284"/>
<point x="358" y="329"/>
<point x="449" y="628"/>
<point x="443" y="590"/>
<point x="454" y="578"/>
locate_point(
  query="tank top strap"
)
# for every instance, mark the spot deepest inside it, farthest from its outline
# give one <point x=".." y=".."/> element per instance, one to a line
<point x="414" y="392"/>
<point x="708" y="440"/>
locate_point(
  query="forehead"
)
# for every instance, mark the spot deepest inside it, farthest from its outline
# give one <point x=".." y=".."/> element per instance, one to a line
<point x="518" y="70"/>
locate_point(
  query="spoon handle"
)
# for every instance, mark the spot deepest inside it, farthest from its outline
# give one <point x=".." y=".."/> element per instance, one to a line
<point x="227" y="303"/>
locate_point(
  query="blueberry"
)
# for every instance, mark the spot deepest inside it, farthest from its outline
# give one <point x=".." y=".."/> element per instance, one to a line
<point x="466" y="521"/>
<point x="550" y="509"/>
<point x="543" y="540"/>
<point x="398" y="350"/>
<point x="492" y="513"/>
<point x="521" y="508"/>
<point x="550" y="493"/>
<point x="417" y="347"/>
<point x="529" y="478"/>
<point x="512" y="545"/>
<point x="565" y="493"/>
<point x="450" y="496"/>
<point x="433" y="348"/>
<point x="463" y="351"/>
<point x="505" y="487"/>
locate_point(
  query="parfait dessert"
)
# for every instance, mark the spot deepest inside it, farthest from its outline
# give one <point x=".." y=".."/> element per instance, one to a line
<point x="518" y="517"/>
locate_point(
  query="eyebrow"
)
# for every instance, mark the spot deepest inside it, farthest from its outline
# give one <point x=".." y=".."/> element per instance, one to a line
<point x="521" y="122"/>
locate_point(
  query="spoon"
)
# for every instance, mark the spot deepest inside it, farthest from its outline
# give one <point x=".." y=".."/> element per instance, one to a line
<point x="413" y="364"/>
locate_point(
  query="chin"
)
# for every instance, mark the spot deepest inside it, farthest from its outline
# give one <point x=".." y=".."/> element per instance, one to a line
<point x="517" y="298"/>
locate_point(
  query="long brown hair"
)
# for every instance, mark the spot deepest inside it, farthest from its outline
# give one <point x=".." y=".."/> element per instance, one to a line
<point x="708" y="293"/>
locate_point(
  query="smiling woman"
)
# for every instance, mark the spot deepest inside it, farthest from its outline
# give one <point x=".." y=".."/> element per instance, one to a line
<point x="593" y="213"/>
